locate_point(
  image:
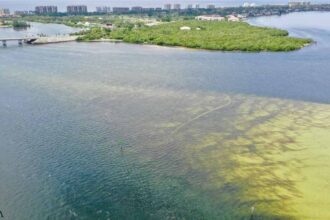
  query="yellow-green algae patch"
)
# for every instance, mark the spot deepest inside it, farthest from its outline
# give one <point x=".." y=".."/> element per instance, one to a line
<point x="278" y="159"/>
<point x="234" y="152"/>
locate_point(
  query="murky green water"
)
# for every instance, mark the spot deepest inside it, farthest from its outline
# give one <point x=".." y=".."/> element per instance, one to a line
<point x="117" y="131"/>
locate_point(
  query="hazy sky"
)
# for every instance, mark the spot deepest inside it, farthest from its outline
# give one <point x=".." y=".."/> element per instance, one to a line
<point x="30" y="4"/>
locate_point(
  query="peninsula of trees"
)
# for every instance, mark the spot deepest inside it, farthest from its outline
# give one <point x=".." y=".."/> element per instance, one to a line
<point x="209" y="35"/>
<point x="215" y="29"/>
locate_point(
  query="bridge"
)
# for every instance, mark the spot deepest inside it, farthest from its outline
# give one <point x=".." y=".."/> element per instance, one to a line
<point x="28" y="40"/>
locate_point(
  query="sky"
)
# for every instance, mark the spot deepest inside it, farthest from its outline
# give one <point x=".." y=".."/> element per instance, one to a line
<point x="30" y="4"/>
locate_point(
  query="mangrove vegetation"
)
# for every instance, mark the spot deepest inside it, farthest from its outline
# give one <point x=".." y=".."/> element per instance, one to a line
<point x="224" y="36"/>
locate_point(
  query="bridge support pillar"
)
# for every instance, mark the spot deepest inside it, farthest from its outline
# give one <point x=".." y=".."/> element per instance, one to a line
<point x="4" y="43"/>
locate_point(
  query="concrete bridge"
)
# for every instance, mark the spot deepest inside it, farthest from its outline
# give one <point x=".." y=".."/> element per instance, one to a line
<point x="39" y="40"/>
<point x="28" y="40"/>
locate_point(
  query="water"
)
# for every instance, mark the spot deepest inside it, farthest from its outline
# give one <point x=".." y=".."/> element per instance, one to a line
<point x="37" y="29"/>
<point x="30" y="4"/>
<point x="121" y="131"/>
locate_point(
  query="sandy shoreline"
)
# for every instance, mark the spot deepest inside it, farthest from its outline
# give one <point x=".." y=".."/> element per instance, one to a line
<point x="50" y="40"/>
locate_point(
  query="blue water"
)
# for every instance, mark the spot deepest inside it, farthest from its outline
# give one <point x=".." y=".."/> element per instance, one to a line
<point x="37" y="29"/>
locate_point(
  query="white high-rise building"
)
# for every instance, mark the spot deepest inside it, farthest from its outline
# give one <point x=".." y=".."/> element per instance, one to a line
<point x="176" y="6"/>
<point x="167" y="7"/>
<point x="103" y="9"/>
<point x="46" y="10"/>
<point x="77" y="9"/>
<point x="4" y="12"/>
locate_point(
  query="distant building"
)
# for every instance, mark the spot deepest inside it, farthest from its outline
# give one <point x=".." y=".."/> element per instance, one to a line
<point x="197" y="6"/>
<point x="77" y="9"/>
<point x="4" y="12"/>
<point x="137" y="8"/>
<point x="185" y="28"/>
<point x="190" y="6"/>
<point x="246" y="4"/>
<point x="46" y="10"/>
<point x="19" y="13"/>
<point x="158" y="9"/>
<point x="148" y="9"/>
<point x="176" y="6"/>
<point x="120" y="10"/>
<point x="240" y="16"/>
<point x="299" y="4"/>
<point x="109" y="26"/>
<point x="210" y="18"/>
<point x="103" y="9"/>
<point x="210" y="7"/>
<point x="167" y="7"/>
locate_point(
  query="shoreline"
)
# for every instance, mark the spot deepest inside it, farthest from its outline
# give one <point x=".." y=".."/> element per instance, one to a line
<point x="246" y="37"/>
<point x="193" y="49"/>
<point x="53" y="40"/>
<point x="71" y="38"/>
<point x="104" y="41"/>
<point x="58" y="40"/>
